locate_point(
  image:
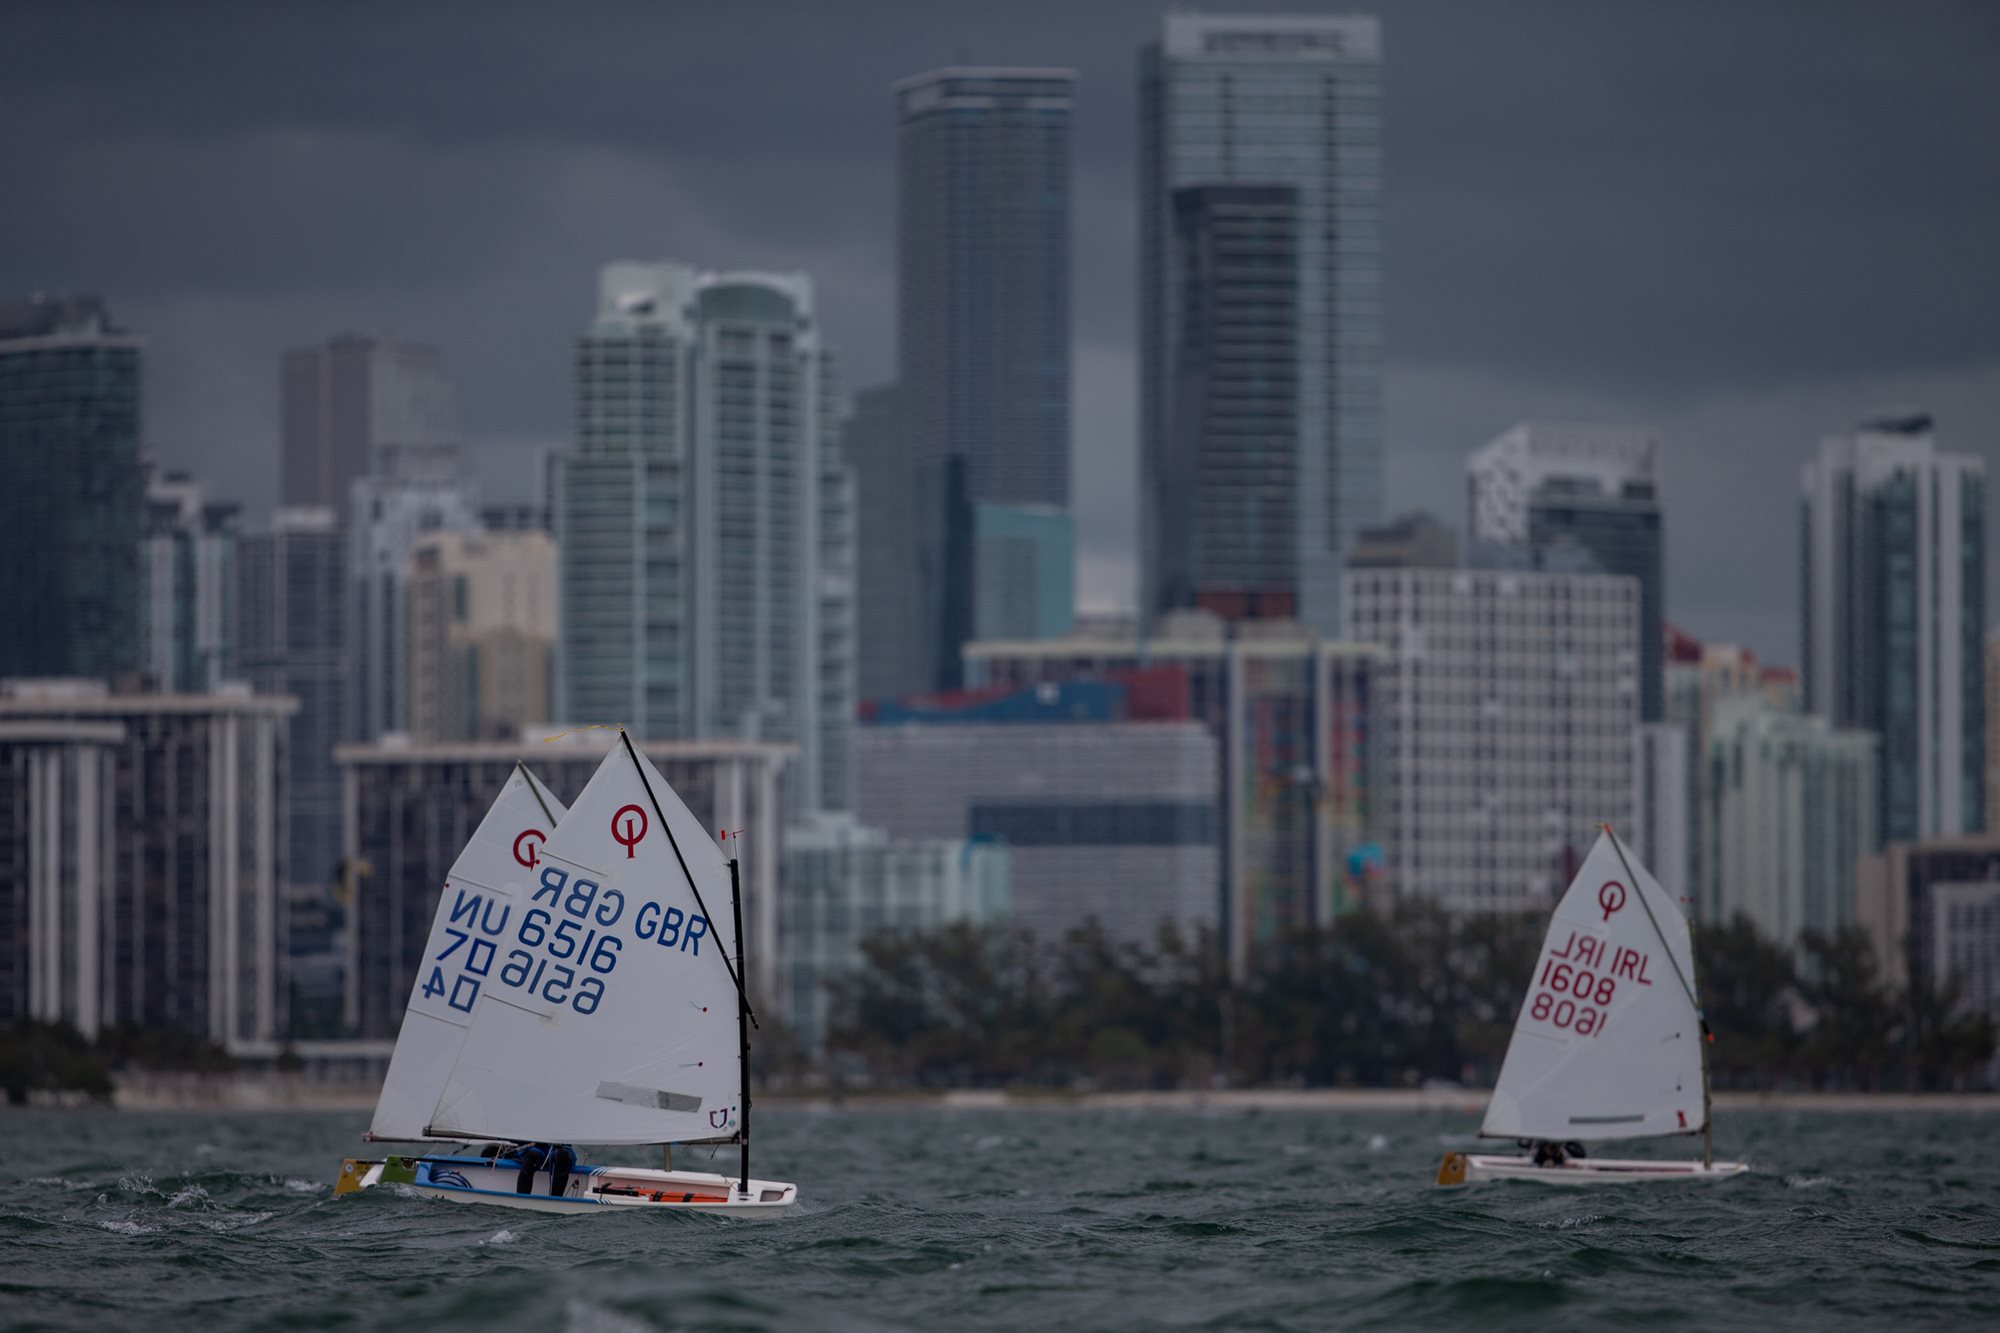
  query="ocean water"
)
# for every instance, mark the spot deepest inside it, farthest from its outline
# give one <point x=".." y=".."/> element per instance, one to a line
<point x="1012" y="1219"/>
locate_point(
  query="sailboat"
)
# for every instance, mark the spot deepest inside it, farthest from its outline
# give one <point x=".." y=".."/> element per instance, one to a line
<point x="1610" y="1042"/>
<point x="577" y="988"/>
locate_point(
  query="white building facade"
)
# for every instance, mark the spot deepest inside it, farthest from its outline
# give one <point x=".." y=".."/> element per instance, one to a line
<point x="388" y="516"/>
<point x="705" y="521"/>
<point x="1792" y="805"/>
<point x="150" y="855"/>
<point x="1507" y="711"/>
<point x="187" y="586"/>
<point x="1661" y="819"/>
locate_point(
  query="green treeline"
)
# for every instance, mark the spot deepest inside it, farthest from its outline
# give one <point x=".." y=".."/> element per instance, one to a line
<point x="55" y="1059"/>
<point x="1376" y="1000"/>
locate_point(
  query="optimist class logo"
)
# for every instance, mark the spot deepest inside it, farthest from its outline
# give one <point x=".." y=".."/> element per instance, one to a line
<point x="528" y="845"/>
<point x="1611" y="897"/>
<point x="627" y="832"/>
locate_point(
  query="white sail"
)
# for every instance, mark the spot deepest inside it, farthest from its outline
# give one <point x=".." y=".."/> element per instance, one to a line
<point x="612" y="1018"/>
<point x="1608" y="1044"/>
<point x="476" y="910"/>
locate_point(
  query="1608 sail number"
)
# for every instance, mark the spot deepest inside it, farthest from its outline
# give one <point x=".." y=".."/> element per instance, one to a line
<point x="1575" y="998"/>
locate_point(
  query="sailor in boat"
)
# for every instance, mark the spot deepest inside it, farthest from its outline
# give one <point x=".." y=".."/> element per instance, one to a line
<point x="557" y="1157"/>
<point x="1548" y="1153"/>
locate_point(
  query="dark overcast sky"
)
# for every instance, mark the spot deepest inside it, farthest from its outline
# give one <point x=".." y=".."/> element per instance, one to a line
<point x="1742" y="223"/>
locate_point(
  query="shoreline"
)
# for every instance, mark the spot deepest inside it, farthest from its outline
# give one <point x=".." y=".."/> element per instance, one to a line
<point x="195" y="1092"/>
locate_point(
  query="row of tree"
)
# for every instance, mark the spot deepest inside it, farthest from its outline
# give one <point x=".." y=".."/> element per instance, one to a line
<point x="56" y="1059"/>
<point x="1374" y="1000"/>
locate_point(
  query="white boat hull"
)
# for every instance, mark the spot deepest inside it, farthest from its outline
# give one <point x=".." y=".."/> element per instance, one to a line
<point x="1459" y="1168"/>
<point x="590" y="1189"/>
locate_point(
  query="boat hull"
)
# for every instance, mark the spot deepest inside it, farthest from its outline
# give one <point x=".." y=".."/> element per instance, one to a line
<point x="1459" y="1168"/>
<point x="591" y="1189"/>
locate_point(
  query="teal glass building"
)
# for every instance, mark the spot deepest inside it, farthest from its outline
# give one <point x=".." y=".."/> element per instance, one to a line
<point x="69" y="447"/>
<point x="1893" y="615"/>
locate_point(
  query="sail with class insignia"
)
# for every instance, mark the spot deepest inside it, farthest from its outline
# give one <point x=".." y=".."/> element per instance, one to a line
<point x="481" y="896"/>
<point x="611" y="1013"/>
<point x="1609" y="1041"/>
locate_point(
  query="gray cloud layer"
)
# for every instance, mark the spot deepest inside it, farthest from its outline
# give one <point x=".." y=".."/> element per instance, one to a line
<point x="1742" y="223"/>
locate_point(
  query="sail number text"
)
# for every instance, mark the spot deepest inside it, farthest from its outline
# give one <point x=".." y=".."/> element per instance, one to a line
<point x="1578" y="983"/>
<point x="571" y="923"/>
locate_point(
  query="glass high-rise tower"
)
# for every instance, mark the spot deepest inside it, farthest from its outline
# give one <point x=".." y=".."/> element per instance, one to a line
<point x="1894" y="615"/>
<point x="358" y="405"/>
<point x="982" y="266"/>
<point x="1260" y="310"/>
<point x="71" y="519"/>
<point x="704" y="516"/>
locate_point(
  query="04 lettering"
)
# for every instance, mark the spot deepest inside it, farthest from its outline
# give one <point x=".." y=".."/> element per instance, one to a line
<point x="466" y="958"/>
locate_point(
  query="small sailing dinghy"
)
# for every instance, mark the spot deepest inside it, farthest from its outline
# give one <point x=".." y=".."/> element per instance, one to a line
<point x="1610" y="1043"/>
<point x="577" y="988"/>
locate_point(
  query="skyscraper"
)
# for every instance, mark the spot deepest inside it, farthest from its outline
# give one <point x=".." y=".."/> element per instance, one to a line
<point x="983" y="238"/>
<point x="1893" y="615"/>
<point x="704" y="521"/>
<point x="290" y="640"/>
<point x="895" y="645"/>
<point x="1260" y="310"/>
<point x="1594" y="489"/>
<point x="387" y="516"/>
<point x="70" y="520"/>
<point x="349" y="400"/>
<point x="187" y="589"/>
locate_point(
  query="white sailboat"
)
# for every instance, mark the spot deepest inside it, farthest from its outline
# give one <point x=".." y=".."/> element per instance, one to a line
<point x="590" y="997"/>
<point x="1610" y="1043"/>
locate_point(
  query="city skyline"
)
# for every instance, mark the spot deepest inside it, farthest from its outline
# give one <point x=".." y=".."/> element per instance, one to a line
<point x="1745" y="271"/>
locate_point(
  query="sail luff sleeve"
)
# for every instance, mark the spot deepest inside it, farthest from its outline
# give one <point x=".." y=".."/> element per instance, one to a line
<point x="674" y="843"/>
<point x="1652" y="920"/>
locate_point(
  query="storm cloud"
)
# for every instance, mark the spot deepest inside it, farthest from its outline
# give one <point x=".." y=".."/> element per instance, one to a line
<point x="1743" y="224"/>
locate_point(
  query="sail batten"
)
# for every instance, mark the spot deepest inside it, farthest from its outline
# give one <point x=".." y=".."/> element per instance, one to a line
<point x="1608" y="1041"/>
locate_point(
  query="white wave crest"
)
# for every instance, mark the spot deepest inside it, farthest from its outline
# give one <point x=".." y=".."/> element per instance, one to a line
<point x="127" y="1228"/>
<point x="189" y="1196"/>
<point x="501" y="1237"/>
<point x="581" y="1316"/>
<point x="293" y="1185"/>
<point x="1808" y="1182"/>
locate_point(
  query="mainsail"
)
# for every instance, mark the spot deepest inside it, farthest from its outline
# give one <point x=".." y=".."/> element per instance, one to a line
<point x="1608" y="1044"/>
<point x="481" y="898"/>
<point x="611" y="1013"/>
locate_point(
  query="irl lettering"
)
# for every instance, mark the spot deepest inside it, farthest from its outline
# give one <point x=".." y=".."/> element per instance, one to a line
<point x="1588" y="951"/>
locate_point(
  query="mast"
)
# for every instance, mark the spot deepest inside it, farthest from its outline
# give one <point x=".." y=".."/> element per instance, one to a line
<point x="743" y="1025"/>
<point x="1687" y="984"/>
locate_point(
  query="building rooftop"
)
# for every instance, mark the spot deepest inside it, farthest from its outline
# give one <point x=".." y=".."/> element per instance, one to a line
<point x="56" y="316"/>
<point x="68" y="697"/>
<point x="399" y="749"/>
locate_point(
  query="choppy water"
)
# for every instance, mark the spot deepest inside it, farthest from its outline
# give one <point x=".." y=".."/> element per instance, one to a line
<point x="1012" y="1219"/>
